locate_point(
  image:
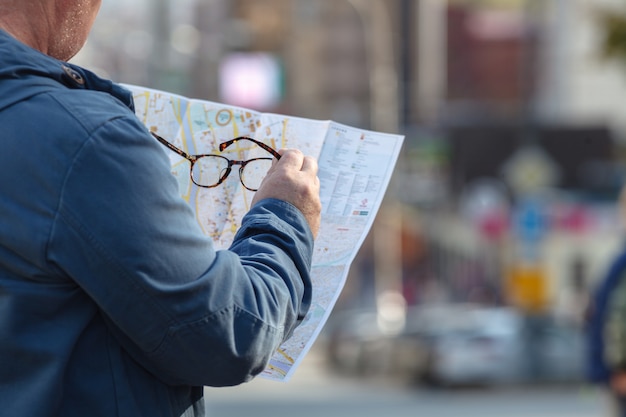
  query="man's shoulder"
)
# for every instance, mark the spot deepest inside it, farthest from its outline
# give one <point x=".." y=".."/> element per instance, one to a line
<point x="88" y="102"/>
<point x="89" y="109"/>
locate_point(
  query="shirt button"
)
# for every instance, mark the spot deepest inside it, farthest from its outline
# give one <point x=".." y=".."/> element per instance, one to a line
<point x="74" y="75"/>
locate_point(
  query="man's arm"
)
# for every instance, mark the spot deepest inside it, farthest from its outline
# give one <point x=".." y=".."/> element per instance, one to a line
<point x="188" y="314"/>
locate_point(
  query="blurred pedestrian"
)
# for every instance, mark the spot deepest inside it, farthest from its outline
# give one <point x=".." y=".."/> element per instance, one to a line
<point x="607" y="329"/>
<point x="112" y="300"/>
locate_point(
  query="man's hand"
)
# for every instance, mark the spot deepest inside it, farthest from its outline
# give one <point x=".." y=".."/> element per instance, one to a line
<point x="293" y="178"/>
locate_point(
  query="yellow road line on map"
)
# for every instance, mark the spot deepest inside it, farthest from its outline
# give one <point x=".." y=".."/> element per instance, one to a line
<point x="179" y="117"/>
<point x="146" y="94"/>
<point x="284" y="354"/>
<point x="284" y="134"/>
<point x="278" y="370"/>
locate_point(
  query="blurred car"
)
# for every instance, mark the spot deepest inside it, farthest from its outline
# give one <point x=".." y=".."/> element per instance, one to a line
<point x="470" y="345"/>
<point x="457" y="345"/>
<point x="475" y="345"/>
<point x="356" y="343"/>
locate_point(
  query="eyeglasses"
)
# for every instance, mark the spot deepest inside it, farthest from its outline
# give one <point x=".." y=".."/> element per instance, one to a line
<point x="211" y="170"/>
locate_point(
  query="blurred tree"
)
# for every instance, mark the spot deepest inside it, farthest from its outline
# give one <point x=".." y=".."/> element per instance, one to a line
<point x="613" y="24"/>
<point x="613" y="46"/>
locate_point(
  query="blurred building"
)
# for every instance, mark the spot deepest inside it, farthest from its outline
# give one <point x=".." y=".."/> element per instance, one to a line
<point x="506" y="92"/>
<point x="452" y="59"/>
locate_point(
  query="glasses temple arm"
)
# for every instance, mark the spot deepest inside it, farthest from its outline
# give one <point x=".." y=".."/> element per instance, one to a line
<point x="173" y="148"/>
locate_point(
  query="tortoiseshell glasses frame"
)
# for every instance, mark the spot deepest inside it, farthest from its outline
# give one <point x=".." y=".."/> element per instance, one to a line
<point x="210" y="170"/>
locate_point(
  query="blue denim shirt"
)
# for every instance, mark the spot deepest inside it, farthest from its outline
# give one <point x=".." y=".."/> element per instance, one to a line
<point x="112" y="301"/>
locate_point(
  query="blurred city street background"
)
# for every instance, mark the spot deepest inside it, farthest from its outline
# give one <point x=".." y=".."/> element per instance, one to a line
<point x="469" y="297"/>
<point x="316" y="390"/>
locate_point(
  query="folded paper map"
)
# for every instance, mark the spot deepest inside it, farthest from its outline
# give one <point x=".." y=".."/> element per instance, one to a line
<point x="355" y="167"/>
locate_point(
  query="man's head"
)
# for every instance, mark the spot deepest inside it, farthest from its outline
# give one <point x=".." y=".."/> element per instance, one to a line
<point x="58" y="28"/>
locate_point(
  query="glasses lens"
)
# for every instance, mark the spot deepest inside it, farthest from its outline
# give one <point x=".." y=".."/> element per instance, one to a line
<point x="208" y="171"/>
<point x="253" y="172"/>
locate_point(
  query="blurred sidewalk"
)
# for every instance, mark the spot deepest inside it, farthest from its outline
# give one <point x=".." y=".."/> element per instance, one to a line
<point x="315" y="391"/>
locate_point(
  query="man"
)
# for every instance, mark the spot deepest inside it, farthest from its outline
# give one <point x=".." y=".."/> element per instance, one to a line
<point x="112" y="301"/>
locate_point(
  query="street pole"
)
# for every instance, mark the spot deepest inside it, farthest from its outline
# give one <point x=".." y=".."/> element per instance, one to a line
<point x="383" y="75"/>
<point x="432" y="58"/>
<point x="211" y="19"/>
<point x="159" y="62"/>
<point x="385" y="116"/>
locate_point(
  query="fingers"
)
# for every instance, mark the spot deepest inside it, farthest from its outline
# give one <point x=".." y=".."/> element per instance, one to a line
<point x="295" y="159"/>
<point x="293" y="178"/>
<point x="291" y="159"/>
<point x="309" y="165"/>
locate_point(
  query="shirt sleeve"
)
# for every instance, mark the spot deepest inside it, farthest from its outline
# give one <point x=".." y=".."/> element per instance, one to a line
<point x="189" y="314"/>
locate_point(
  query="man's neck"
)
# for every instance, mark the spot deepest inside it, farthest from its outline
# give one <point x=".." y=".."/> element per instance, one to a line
<point x="23" y="29"/>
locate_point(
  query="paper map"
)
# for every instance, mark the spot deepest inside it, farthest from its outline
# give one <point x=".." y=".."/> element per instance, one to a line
<point x="355" y="167"/>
